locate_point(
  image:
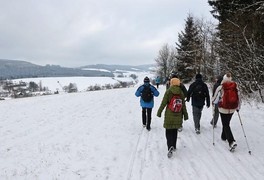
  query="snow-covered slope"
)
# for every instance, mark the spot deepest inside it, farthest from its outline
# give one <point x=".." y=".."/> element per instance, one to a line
<point x="99" y="135"/>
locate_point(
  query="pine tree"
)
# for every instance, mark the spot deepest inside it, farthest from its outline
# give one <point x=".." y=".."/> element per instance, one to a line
<point x="241" y="33"/>
<point x="188" y="51"/>
<point x="239" y="20"/>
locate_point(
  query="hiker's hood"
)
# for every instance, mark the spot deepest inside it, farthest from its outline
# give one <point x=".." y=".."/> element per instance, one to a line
<point x="175" y="89"/>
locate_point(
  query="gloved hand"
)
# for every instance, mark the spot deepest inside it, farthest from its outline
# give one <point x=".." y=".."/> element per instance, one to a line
<point x="237" y="110"/>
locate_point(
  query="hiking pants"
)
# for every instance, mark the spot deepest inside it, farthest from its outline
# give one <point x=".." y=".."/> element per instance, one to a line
<point x="146" y="116"/>
<point x="171" y="136"/>
<point x="226" y="131"/>
<point x="215" y="116"/>
<point x="197" y="113"/>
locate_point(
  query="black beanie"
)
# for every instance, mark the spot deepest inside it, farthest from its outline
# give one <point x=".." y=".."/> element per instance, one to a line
<point x="198" y="76"/>
<point x="146" y="79"/>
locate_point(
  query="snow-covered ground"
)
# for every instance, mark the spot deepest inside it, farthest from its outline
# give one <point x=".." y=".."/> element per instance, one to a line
<point x="99" y="136"/>
<point x="82" y="83"/>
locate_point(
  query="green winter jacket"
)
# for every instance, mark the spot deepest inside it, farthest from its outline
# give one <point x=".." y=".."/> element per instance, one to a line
<point x="172" y="120"/>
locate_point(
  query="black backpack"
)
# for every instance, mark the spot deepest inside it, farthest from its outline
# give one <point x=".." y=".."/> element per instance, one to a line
<point x="198" y="91"/>
<point x="147" y="94"/>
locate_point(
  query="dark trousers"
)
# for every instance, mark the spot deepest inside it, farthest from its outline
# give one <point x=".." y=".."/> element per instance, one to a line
<point x="146" y="116"/>
<point x="226" y="131"/>
<point x="197" y="113"/>
<point x="171" y="136"/>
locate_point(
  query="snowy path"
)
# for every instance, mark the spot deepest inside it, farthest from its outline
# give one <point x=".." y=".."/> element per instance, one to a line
<point x="98" y="135"/>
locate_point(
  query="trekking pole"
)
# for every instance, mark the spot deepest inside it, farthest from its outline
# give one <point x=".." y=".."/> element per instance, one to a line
<point x="213" y="124"/>
<point x="249" y="151"/>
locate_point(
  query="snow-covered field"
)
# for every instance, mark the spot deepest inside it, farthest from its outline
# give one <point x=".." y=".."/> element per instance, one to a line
<point x="99" y="136"/>
<point x="82" y="83"/>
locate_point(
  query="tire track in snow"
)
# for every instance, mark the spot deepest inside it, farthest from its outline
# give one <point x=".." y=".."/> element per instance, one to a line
<point x="139" y="156"/>
<point x="143" y="159"/>
<point x="133" y="157"/>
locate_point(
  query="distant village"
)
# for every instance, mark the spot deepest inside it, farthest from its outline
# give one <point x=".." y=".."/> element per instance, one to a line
<point x="20" y="89"/>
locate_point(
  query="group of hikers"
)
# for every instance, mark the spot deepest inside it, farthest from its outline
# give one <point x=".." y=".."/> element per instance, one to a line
<point x="225" y="101"/>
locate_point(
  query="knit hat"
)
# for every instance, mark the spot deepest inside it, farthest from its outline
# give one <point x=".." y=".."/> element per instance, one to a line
<point x="198" y="76"/>
<point x="227" y="77"/>
<point x="174" y="75"/>
<point x="175" y="82"/>
<point x="146" y="79"/>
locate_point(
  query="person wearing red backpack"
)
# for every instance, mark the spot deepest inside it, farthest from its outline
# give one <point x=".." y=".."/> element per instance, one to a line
<point x="174" y="102"/>
<point x="227" y="97"/>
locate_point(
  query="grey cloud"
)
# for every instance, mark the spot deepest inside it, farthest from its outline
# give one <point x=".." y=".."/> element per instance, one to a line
<point x="81" y="32"/>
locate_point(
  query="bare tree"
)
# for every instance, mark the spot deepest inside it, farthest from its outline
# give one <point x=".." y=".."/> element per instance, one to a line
<point x="166" y="61"/>
<point x="207" y="62"/>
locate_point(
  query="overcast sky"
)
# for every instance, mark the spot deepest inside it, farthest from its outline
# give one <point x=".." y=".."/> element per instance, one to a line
<point x="74" y="33"/>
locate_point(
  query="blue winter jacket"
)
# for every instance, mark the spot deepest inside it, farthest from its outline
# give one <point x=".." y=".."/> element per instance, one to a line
<point x="143" y="103"/>
<point x="157" y="80"/>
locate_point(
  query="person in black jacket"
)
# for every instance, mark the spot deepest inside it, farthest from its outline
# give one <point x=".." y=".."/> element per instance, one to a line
<point x="199" y="92"/>
<point x="213" y="122"/>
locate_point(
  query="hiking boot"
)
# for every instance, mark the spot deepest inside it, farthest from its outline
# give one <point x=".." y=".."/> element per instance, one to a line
<point x="232" y="145"/>
<point x="197" y="131"/>
<point x="148" y="128"/>
<point x="170" y="152"/>
<point x="214" y="126"/>
<point x="144" y="125"/>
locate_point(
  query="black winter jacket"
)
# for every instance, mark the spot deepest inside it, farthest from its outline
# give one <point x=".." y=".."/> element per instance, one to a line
<point x="198" y="101"/>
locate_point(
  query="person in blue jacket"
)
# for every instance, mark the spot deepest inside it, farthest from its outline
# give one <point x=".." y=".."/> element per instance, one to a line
<point x="157" y="81"/>
<point x="146" y="92"/>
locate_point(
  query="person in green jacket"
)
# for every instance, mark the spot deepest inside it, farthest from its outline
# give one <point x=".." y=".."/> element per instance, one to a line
<point x="172" y="120"/>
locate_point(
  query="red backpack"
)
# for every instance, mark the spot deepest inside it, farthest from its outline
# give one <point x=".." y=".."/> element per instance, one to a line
<point x="230" y="97"/>
<point x="175" y="103"/>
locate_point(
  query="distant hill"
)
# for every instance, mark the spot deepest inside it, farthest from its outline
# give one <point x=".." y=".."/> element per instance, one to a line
<point x="14" y="69"/>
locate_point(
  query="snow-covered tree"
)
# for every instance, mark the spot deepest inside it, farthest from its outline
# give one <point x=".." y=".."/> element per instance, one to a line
<point x="241" y="33"/>
<point x="189" y="51"/>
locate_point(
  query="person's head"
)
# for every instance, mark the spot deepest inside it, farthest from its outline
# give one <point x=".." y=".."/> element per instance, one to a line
<point x="227" y="77"/>
<point x="175" y="82"/>
<point x="146" y="80"/>
<point x="198" y="76"/>
<point x="219" y="78"/>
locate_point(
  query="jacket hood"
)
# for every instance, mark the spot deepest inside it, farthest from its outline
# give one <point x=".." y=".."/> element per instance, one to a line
<point x="198" y="80"/>
<point x="175" y="89"/>
<point x="146" y="83"/>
